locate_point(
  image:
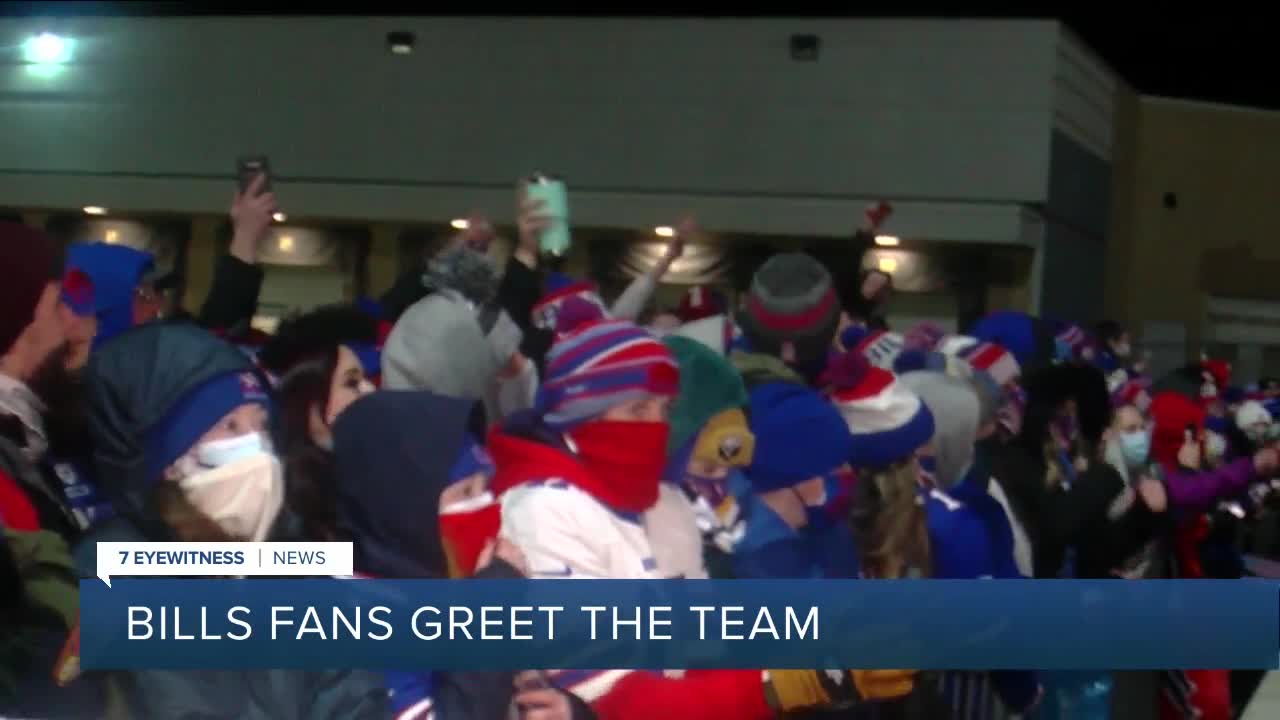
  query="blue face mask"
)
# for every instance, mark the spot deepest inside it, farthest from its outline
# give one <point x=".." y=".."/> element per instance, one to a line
<point x="1135" y="447"/>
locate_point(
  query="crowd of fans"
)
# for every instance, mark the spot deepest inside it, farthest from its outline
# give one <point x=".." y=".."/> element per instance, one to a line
<point x="481" y="421"/>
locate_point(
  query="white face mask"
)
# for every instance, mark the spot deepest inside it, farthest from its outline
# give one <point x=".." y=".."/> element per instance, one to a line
<point x="1215" y="446"/>
<point x="239" y="484"/>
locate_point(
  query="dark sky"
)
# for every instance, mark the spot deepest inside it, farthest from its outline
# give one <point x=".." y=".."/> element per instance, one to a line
<point x="1197" y="54"/>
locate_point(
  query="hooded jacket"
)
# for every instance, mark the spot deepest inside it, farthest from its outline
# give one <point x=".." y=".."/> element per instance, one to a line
<point x="134" y="381"/>
<point x="115" y="271"/>
<point x="393" y="452"/>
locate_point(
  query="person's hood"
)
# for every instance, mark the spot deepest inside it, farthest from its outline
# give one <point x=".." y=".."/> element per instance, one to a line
<point x="115" y="271"/>
<point x="956" y="409"/>
<point x="393" y="453"/>
<point x="438" y="345"/>
<point x="132" y="383"/>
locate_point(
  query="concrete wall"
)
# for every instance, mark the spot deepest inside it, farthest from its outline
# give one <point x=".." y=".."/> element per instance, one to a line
<point x="1222" y="164"/>
<point x="651" y="112"/>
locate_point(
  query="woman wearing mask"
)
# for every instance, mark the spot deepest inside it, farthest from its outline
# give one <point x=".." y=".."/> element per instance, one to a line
<point x="576" y="478"/>
<point x="413" y="498"/>
<point x="710" y="442"/>
<point x="179" y="420"/>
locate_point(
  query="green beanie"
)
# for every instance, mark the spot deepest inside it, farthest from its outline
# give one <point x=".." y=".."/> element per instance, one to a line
<point x="709" y="385"/>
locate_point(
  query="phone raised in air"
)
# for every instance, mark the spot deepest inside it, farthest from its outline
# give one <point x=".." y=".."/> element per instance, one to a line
<point x="249" y="167"/>
<point x="551" y="191"/>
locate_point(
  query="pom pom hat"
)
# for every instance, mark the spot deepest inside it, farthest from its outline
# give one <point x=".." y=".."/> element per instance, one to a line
<point x="888" y="422"/>
<point x="599" y="365"/>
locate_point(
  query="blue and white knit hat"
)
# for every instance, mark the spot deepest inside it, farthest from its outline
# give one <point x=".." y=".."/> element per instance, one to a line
<point x="196" y="413"/>
<point x="888" y="422"/>
<point x="600" y="365"/>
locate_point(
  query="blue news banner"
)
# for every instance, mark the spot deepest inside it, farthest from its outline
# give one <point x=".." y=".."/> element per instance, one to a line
<point x="588" y="624"/>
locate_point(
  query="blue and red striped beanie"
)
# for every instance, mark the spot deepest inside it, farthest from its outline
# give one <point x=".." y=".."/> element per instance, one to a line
<point x="599" y="365"/>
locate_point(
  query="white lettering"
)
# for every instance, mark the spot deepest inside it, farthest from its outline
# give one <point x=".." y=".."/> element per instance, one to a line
<point x="655" y="621"/>
<point x="145" y="622"/>
<point x="802" y="630"/>
<point x="702" y="611"/>
<point x="433" y="626"/>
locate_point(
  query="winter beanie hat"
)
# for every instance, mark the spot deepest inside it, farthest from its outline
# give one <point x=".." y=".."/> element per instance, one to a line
<point x="196" y="413"/>
<point x="599" y="365"/>
<point x="438" y="345"/>
<point x="888" y="422"/>
<point x="791" y="299"/>
<point x="923" y="336"/>
<point x="1252" y="413"/>
<point x="700" y="302"/>
<point x="1133" y="392"/>
<point x="708" y="411"/>
<point x="29" y="260"/>
<point x="116" y="271"/>
<point x="559" y="288"/>
<point x="880" y="347"/>
<point x="469" y="272"/>
<point x="956" y="410"/>
<point x="995" y="361"/>
<point x="1028" y="338"/>
<point x="799" y="435"/>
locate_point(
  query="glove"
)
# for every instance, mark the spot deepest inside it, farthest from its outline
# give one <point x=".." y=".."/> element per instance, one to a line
<point x="789" y="690"/>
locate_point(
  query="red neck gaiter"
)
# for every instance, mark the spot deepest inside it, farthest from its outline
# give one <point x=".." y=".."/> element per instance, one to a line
<point x="626" y="458"/>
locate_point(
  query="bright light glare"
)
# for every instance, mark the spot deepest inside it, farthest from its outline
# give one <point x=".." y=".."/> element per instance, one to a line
<point x="286" y="243"/>
<point x="888" y="265"/>
<point x="887" y="240"/>
<point x="47" y="49"/>
<point x="94" y="210"/>
<point x="460" y="224"/>
<point x="279" y="217"/>
<point x="111" y="237"/>
<point x="664" y="231"/>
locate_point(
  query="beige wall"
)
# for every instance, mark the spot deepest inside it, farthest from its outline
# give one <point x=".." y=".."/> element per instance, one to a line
<point x="1220" y="239"/>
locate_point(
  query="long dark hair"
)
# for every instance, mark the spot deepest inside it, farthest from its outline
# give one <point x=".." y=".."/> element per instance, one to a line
<point x="310" y="483"/>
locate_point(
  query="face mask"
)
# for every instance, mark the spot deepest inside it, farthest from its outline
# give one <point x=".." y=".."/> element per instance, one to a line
<point x="1135" y="447"/>
<point x="626" y="458"/>
<point x="1215" y="446"/>
<point x="217" y="453"/>
<point x="466" y="527"/>
<point x="243" y="496"/>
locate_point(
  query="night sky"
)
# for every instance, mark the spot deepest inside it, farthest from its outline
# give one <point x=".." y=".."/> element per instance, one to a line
<point x="1229" y="58"/>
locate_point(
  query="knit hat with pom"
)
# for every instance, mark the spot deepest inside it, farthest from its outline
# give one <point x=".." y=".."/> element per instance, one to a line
<point x="791" y="300"/>
<point x="888" y="422"/>
<point x="560" y="289"/>
<point x="710" y="388"/>
<point x="599" y="365"/>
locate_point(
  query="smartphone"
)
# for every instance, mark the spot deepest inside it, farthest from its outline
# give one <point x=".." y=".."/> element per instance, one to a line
<point x="555" y="203"/>
<point x="249" y="167"/>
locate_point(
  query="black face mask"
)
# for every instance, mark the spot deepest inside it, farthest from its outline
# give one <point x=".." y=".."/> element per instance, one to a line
<point x="64" y="396"/>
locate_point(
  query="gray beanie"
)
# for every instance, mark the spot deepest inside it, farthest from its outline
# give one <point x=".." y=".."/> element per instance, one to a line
<point x="438" y="345"/>
<point x="469" y="272"/>
<point x="791" y="299"/>
<point x="955" y="408"/>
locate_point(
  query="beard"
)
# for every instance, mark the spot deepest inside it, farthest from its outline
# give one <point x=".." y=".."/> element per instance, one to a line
<point x="63" y="393"/>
